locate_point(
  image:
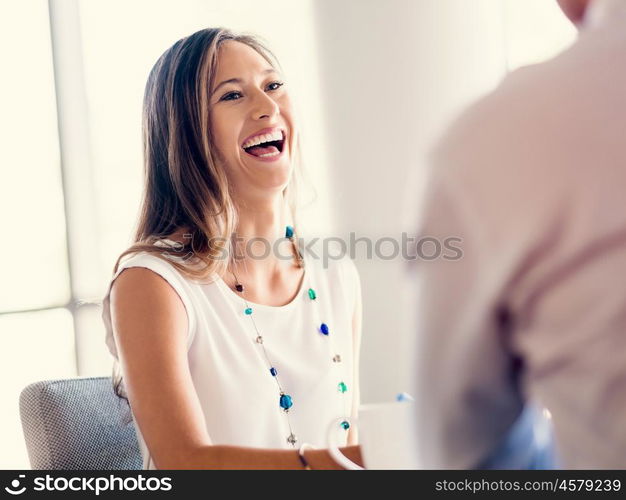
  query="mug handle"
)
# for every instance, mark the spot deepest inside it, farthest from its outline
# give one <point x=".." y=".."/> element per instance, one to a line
<point x="334" y="451"/>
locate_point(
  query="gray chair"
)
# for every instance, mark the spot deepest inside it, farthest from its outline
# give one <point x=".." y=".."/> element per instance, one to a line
<point x="78" y="424"/>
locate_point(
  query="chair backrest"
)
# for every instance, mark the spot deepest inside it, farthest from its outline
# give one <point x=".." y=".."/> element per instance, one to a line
<point x="78" y="424"/>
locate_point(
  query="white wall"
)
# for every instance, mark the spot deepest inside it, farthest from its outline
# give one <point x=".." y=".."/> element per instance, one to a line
<point x="393" y="74"/>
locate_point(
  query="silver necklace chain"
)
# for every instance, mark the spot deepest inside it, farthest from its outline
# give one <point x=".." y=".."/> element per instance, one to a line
<point x="259" y="340"/>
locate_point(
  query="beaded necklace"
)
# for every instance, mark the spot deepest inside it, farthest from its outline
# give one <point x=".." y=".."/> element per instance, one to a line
<point x="285" y="400"/>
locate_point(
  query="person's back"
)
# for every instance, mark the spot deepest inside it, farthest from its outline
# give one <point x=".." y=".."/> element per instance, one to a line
<point x="531" y="178"/>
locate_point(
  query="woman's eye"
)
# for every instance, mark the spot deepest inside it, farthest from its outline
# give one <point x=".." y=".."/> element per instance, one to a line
<point x="279" y="84"/>
<point x="227" y="97"/>
<point x="231" y="95"/>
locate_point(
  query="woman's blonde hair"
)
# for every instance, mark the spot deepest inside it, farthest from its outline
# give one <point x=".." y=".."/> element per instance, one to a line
<point x="185" y="187"/>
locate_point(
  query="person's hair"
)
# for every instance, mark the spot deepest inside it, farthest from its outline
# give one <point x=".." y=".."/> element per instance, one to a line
<point x="185" y="185"/>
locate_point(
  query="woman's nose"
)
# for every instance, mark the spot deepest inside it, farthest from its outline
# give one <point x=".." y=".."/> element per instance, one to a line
<point x="264" y="106"/>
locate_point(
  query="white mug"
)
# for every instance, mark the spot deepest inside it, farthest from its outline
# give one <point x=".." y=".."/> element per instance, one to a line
<point x="387" y="436"/>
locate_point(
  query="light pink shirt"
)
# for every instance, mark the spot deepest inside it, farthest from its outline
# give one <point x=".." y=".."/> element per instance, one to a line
<point x="533" y="179"/>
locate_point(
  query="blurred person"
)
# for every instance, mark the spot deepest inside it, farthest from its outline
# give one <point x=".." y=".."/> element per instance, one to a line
<point x="228" y="359"/>
<point x="533" y="315"/>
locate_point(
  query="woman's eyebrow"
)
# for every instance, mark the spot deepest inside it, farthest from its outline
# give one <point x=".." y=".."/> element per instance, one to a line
<point x="238" y="80"/>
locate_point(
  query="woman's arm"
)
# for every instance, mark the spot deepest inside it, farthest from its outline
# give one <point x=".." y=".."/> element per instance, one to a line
<point x="236" y="457"/>
<point x="150" y="327"/>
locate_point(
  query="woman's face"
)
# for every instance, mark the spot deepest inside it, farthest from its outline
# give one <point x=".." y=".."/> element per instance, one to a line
<point x="250" y="106"/>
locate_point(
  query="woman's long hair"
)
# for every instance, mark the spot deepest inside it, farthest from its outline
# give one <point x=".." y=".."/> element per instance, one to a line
<point x="185" y="186"/>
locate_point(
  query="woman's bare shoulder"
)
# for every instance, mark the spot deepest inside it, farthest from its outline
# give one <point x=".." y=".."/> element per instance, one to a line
<point x="144" y="302"/>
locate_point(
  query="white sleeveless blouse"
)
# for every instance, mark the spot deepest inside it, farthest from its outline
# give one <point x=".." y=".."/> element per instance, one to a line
<point x="237" y="393"/>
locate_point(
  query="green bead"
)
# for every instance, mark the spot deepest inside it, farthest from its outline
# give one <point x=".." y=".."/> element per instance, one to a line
<point x="342" y="387"/>
<point x="248" y="310"/>
<point x="312" y="295"/>
<point x="345" y="424"/>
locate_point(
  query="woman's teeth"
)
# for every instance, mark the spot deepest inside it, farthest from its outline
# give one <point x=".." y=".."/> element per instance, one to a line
<point x="275" y="153"/>
<point x="265" y="145"/>
<point x="277" y="135"/>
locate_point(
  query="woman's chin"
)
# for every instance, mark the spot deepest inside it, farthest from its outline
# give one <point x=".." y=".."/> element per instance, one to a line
<point x="277" y="170"/>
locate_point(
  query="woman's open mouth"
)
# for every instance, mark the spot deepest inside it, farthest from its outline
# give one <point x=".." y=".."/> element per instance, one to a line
<point x="267" y="148"/>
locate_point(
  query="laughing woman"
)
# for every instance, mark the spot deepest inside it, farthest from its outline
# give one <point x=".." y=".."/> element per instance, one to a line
<point x="229" y="359"/>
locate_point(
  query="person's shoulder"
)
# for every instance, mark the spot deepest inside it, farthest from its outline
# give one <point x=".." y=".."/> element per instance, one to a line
<point x="143" y="272"/>
<point x="145" y="284"/>
<point x="512" y="136"/>
<point x="151" y="276"/>
<point x="530" y="107"/>
<point x="149" y="279"/>
<point x="490" y="120"/>
<point x="137" y="280"/>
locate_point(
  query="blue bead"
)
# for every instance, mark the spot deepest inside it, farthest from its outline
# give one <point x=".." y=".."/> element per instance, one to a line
<point x="403" y="396"/>
<point x="289" y="232"/>
<point x="273" y="371"/>
<point x="345" y="424"/>
<point x="324" y="328"/>
<point x="285" y="401"/>
<point x="248" y="310"/>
